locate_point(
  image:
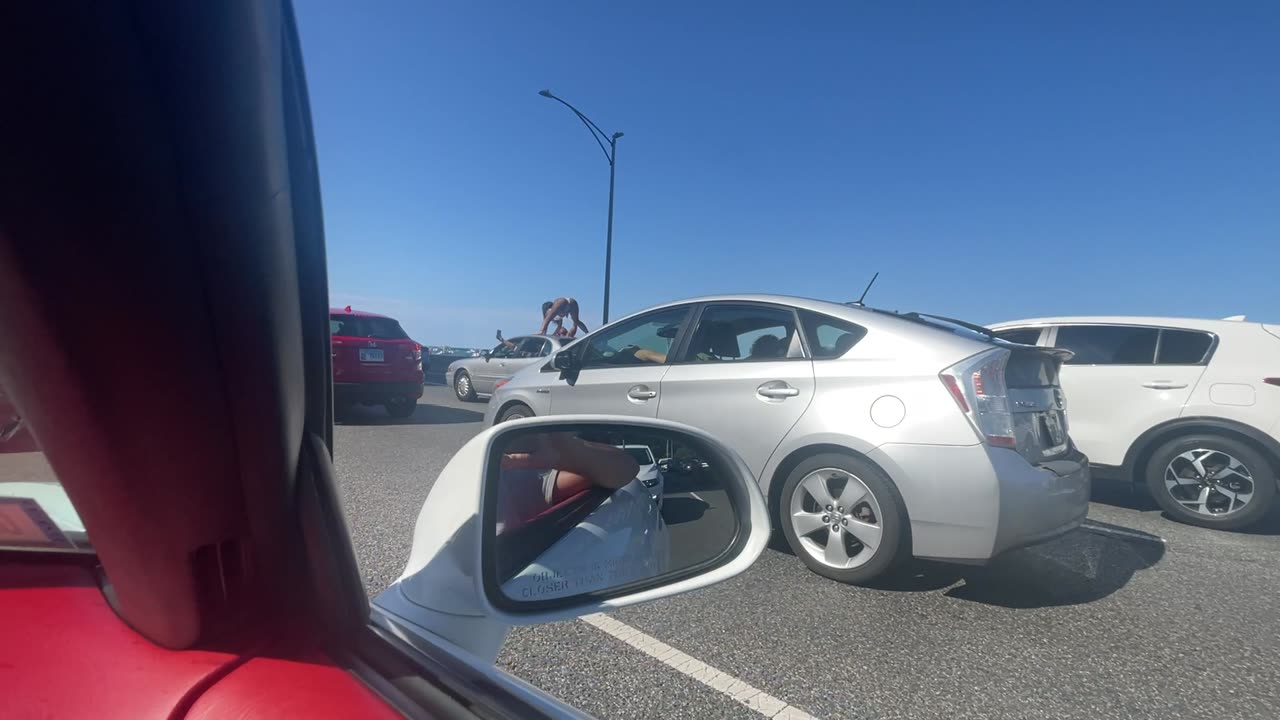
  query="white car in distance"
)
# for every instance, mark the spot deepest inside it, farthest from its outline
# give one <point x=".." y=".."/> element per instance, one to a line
<point x="650" y="475"/>
<point x="1188" y="409"/>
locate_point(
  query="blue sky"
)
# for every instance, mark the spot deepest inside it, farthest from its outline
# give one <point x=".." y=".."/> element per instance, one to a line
<point x="992" y="161"/>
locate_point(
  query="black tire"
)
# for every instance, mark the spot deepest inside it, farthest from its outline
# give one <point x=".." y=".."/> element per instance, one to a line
<point x="515" y="412"/>
<point x="463" y="387"/>
<point x="401" y="407"/>
<point x="895" y="534"/>
<point x="1255" y="463"/>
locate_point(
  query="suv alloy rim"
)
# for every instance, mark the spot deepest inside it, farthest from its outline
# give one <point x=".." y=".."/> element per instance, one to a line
<point x="1209" y="482"/>
<point x="840" y="526"/>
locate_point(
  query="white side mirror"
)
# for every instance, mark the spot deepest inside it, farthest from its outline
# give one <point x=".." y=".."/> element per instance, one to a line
<point x="547" y="519"/>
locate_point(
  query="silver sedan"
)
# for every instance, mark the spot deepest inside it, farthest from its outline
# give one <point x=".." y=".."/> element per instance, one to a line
<point x="478" y="376"/>
<point x="876" y="435"/>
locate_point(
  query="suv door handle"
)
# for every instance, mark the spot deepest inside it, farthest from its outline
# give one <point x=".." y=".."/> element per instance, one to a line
<point x="1164" y="385"/>
<point x="777" y="390"/>
<point x="642" y="392"/>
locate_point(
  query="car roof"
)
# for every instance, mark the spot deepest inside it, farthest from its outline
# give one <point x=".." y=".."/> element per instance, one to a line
<point x="1175" y="322"/>
<point x="866" y="316"/>
<point x="357" y="313"/>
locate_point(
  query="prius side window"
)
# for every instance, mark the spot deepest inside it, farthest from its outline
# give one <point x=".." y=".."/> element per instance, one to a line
<point x="829" y="337"/>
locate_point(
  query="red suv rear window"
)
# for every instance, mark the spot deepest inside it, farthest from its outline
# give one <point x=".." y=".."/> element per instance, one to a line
<point x="378" y="328"/>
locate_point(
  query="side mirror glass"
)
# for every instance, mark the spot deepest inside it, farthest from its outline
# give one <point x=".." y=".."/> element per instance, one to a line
<point x="566" y="361"/>
<point x="575" y="513"/>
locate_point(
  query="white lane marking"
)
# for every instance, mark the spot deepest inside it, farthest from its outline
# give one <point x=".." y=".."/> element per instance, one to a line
<point x="699" y="497"/>
<point x="1123" y="533"/>
<point x="756" y="699"/>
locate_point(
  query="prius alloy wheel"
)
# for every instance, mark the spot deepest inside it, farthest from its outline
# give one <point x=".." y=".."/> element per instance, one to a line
<point x="842" y="517"/>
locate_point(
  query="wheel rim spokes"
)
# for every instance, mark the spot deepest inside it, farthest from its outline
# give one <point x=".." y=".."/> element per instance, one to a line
<point x="836" y="518"/>
<point x="1209" y="482"/>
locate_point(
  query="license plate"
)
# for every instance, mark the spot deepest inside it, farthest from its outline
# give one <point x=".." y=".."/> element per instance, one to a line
<point x="370" y="355"/>
<point x="1054" y="425"/>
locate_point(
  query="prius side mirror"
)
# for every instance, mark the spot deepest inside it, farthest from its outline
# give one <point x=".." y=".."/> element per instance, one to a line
<point x="566" y="361"/>
<point x="547" y="519"/>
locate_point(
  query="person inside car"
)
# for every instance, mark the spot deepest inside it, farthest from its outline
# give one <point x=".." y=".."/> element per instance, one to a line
<point x="556" y="311"/>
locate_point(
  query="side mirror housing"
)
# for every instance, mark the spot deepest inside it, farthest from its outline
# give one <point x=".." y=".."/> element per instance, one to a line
<point x="486" y="355"/>
<point x="566" y="361"/>
<point x="502" y="539"/>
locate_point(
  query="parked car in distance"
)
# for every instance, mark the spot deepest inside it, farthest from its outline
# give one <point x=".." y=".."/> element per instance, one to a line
<point x="1189" y="409"/>
<point x="474" y="377"/>
<point x="375" y="362"/>
<point x="875" y="436"/>
<point x="650" y="475"/>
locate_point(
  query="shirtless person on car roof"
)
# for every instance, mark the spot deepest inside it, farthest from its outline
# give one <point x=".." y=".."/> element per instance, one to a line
<point x="556" y="311"/>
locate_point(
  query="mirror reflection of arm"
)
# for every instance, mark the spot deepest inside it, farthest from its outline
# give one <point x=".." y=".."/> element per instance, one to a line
<point x="582" y="464"/>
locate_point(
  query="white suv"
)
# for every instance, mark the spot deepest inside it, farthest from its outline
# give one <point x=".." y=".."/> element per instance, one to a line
<point x="1188" y="408"/>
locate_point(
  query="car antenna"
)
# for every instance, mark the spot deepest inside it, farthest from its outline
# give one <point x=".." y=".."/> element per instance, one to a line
<point x="866" y="290"/>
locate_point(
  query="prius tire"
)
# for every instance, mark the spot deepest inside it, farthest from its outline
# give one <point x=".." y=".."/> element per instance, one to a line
<point x="515" y="412"/>
<point x="877" y="504"/>
<point x="463" y="387"/>
<point x="1174" y="482"/>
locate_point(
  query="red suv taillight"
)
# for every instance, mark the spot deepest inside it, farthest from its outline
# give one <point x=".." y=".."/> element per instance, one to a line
<point x="978" y="386"/>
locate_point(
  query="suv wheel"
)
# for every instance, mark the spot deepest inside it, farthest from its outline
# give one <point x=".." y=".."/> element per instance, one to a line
<point x="462" y="387"/>
<point x="401" y="407"/>
<point x="1211" y="481"/>
<point x="515" y="412"/>
<point x="843" y="517"/>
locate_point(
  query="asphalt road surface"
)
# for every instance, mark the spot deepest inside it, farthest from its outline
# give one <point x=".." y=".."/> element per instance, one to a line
<point x="1134" y="617"/>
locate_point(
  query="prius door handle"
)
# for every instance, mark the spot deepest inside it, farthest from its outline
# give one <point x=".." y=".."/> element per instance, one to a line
<point x="777" y="390"/>
<point x="1164" y="385"/>
<point x="642" y="392"/>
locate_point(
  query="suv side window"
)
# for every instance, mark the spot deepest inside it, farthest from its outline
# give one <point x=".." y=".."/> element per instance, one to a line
<point x="1021" y="336"/>
<point x="534" y="347"/>
<point x="829" y="337"/>
<point x="1183" y="347"/>
<point x="646" y="340"/>
<point x="1108" y="344"/>
<point x="738" y="333"/>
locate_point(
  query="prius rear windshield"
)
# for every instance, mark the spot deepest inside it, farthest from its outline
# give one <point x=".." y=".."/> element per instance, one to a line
<point x="378" y="328"/>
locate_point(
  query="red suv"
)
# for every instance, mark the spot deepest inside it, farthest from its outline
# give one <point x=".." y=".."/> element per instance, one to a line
<point x="374" y="362"/>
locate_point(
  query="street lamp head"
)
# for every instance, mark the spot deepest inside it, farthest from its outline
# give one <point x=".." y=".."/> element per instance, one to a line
<point x="617" y="135"/>
<point x="546" y="93"/>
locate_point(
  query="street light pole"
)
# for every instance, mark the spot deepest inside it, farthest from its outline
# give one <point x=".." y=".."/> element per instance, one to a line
<point x="611" y="155"/>
<point x="608" y="236"/>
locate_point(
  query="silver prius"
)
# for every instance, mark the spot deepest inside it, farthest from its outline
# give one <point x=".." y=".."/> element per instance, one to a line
<point x="875" y="435"/>
<point x="473" y="377"/>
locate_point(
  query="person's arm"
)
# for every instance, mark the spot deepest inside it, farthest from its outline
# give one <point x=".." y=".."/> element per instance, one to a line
<point x="578" y="460"/>
<point x="652" y="356"/>
<point x="550" y="314"/>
